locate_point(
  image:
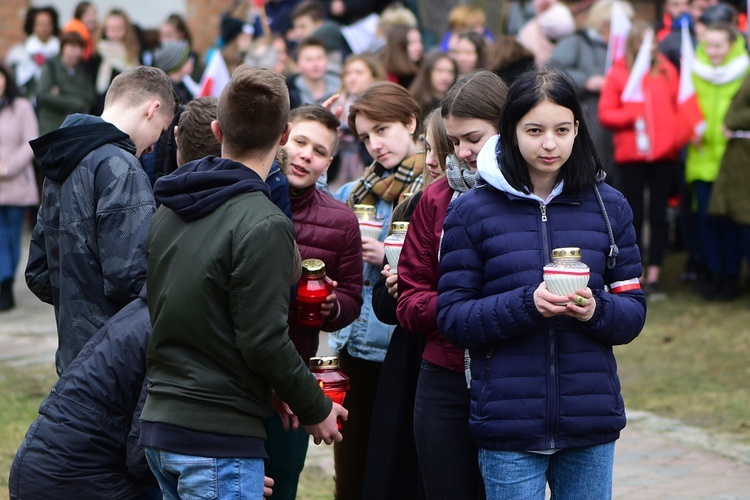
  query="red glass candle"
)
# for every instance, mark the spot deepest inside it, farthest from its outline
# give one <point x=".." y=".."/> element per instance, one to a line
<point x="331" y="379"/>
<point x="313" y="288"/>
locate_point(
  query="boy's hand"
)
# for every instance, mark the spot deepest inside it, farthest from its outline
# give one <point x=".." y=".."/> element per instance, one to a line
<point x="327" y="431"/>
<point x="327" y="308"/>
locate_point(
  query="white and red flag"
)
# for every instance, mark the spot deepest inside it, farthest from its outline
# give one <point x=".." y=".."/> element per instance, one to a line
<point x="618" y="33"/>
<point x="634" y="87"/>
<point x="215" y="77"/>
<point x="686" y="98"/>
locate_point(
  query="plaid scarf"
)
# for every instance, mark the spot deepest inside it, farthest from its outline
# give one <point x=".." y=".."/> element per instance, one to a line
<point x="460" y="178"/>
<point x="406" y="178"/>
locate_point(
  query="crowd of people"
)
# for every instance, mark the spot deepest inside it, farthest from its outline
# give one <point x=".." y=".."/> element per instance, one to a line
<point x="169" y="230"/>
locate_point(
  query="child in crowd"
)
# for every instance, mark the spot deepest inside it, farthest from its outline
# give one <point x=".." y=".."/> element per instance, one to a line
<point x="471" y="113"/>
<point x="545" y="398"/>
<point x="437" y="74"/>
<point x="229" y="243"/>
<point x="327" y="230"/>
<point x="69" y="438"/>
<point x="465" y="18"/>
<point x="402" y="54"/>
<point x="386" y="118"/>
<point x="313" y="83"/>
<point x="392" y="466"/>
<point x="309" y="20"/>
<point x="721" y="65"/>
<point x="360" y="71"/>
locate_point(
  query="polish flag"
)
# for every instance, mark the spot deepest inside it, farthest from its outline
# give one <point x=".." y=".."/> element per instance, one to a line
<point x="215" y="77"/>
<point x="618" y="33"/>
<point x="686" y="99"/>
<point x="634" y="87"/>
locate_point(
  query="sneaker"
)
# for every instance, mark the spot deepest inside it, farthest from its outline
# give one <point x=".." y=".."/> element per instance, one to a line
<point x="654" y="292"/>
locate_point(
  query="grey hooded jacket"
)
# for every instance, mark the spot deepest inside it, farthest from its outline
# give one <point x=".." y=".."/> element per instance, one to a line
<point x="88" y="249"/>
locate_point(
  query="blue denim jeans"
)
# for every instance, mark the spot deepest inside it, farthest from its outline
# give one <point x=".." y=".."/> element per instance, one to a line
<point x="11" y="226"/>
<point x="573" y="474"/>
<point x="188" y="477"/>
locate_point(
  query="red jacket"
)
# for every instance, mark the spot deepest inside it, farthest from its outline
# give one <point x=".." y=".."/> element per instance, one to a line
<point x="659" y="110"/>
<point x="326" y="229"/>
<point x="418" y="276"/>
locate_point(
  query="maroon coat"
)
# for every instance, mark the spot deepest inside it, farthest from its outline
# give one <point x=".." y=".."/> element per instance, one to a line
<point x="328" y="230"/>
<point x="418" y="276"/>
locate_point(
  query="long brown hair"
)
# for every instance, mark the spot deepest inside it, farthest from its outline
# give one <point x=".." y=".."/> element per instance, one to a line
<point x="131" y="42"/>
<point x="395" y="55"/>
<point x="421" y="89"/>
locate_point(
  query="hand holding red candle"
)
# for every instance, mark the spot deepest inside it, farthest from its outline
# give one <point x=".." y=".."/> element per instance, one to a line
<point x="331" y="379"/>
<point x="313" y="291"/>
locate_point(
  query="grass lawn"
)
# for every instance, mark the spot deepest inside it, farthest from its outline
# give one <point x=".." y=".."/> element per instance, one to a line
<point x="691" y="362"/>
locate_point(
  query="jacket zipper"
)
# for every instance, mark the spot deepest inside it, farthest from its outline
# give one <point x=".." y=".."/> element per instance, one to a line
<point x="551" y="341"/>
<point x="485" y="378"/>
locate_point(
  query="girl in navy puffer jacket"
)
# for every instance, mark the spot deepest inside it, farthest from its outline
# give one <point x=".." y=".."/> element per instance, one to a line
<point x="546" y="401"/>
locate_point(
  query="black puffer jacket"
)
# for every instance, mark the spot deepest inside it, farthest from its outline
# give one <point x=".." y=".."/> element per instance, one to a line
<point x="84" y="443"/>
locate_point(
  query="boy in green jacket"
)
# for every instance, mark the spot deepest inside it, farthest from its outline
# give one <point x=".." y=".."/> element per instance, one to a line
<point x="220" y="266"/>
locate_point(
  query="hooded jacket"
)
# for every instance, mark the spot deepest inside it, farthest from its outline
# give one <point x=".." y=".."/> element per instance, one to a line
<point x="220" y="268"/>
<point x="659" y="111"/>
<point x="714" y="87"/>
<point x="88" y="250"/>
<point x="84" y="443"/>
<point x="417" y="304"/>
<point x="537" y="383"/>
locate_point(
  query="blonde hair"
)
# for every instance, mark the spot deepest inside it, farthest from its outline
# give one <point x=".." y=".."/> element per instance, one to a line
<point x="464" y="17"/>
<point x="131" y="42"/>
<point x="601" y="12"/>
<point x="395" y="15"/>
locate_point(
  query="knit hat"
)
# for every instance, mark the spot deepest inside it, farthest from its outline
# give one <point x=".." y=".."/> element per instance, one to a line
<point x="171" y="56"/>
<point x="556" y="22"/>
<point x="719" y="13"/>
<point x="231" y="27"/>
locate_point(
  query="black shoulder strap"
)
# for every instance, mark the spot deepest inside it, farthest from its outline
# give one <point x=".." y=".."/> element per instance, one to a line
<point x="614" y="251"/>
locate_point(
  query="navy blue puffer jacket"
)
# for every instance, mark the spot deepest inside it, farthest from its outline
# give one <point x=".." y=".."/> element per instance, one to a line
<point x="537" y="383"/>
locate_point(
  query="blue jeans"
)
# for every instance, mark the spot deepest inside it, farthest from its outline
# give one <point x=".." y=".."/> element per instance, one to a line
<point x="11" y="226"/>
<point x="573" y="474"/>
<point x="188" y="477"/>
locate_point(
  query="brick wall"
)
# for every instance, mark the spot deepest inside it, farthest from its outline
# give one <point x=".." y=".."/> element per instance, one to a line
<point x="203" y="19"/>
<point x="12" y="14"/>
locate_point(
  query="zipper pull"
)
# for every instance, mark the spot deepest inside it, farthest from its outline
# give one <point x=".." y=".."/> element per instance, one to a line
<point x="543" y="209"/>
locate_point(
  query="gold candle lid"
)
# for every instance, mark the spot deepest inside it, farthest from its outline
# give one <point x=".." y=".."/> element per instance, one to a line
<point x="324" y="362"/>
<point x="364" y="209"/>
<point x="573" y="253"/>
<point x="314" y="268"/>
<point x="399" y="227"/>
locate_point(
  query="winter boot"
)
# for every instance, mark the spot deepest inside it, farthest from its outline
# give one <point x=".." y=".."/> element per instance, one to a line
<point x="6" y="295"/>
<point x="729" y="289"/>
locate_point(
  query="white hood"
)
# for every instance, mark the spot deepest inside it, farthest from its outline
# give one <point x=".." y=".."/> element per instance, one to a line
<point x="489" y="170"/>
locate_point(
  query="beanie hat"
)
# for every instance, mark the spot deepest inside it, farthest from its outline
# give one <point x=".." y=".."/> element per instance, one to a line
<point x="556" y="22"/>
<point x="719" y="13"/>
<point x="231" y="27"/>
<point x="171" y="56"/>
